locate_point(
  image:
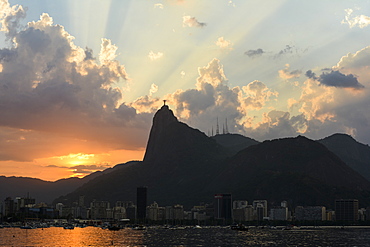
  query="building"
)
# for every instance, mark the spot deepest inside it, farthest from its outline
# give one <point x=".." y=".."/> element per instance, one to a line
<point x="314" y="213"/>
<point x="346" y="210"/>
<point x="279" y="213"/>
<point x="240" y="204"/>
<point x="260" y="207"/>
<point x="131" y="212"/>
<point x="141" y="202"/>
<point x="223" y="206"/>
<point x="99" y="210"/>
<point x="178" y="212"/>
<point x="153" y="211"/>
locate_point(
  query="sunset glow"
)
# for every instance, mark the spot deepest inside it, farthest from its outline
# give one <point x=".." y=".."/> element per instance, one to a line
<point x="81" y="80"/>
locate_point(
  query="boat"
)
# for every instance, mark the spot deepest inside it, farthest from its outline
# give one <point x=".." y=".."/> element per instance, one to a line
<point x="114" y="228"/>
<point x="139" y="227"/>
<point x="27" y="227"/>
<point x="69" y="227"/>
<point x="239" y="227"/>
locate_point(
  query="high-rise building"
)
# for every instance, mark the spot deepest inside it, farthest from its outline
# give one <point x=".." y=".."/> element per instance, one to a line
<point x="260" y="207"/>
<point x="141" y="202"/>
<point x="223" y="206"/>
<point x="310" y="213"/>
<point x="346" y="210"/>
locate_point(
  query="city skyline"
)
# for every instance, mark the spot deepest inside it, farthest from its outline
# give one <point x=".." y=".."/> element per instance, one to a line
<point x="80" y="81"/>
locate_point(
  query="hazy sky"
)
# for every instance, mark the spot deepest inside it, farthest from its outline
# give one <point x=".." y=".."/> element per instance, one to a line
<point x="81" y="80"/>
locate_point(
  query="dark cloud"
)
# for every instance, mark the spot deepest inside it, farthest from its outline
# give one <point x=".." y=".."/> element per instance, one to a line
<point x="311" y="74"/>
<point x="287" y="50"/>
<point x="254" y="53"/>
<point x="89" y="54"/>
<point x="337" y="79"/>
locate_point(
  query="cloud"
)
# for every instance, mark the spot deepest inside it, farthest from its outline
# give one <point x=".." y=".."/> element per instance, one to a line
<point x="87" y="169"/>
<point x="334" y="78"/>
<point x="153" y="89"/>
<point x="155" y="56"/>
<point x="188" y="21"/>
<point x="255" y="96"/>
<point x="337" y="79"/>
<point x="287" y="50"/>
<point x="360" y="20"/>
<point x="60" y="94"/>
<point x="158" y="6"/>
<point x="224" y="44"/>
<point x="286" y="74"/>
<point x="10" y="18"/>
<point x="254" y="53"/>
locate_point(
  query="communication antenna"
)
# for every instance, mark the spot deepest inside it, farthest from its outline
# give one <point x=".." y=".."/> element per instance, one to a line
<point x="226" y="128"/>
<point x="217" y="128"/>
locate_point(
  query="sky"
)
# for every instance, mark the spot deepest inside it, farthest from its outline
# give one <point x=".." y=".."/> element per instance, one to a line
<point x="81" y="80"/>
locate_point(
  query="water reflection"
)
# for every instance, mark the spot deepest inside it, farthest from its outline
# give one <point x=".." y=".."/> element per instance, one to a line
<point x="57" y="236"/>
<point x="216" y="236"/>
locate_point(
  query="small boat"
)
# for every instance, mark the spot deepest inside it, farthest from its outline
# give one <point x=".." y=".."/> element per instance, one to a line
<point x="69" y="227"/>
<point x="139" y="227"/>
<point x="114" y="228"/>
<point x="239" y="227"/>
<point x="27" y="227"/>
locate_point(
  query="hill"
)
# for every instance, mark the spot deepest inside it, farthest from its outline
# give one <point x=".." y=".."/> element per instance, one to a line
<point x="183" y="165"/>
<point x="179" y="160"/>
<point x="354" y="154"/>
<point x="299" y="170"/>
<point x="42" y="191"/>
<point x="234" y="142"/>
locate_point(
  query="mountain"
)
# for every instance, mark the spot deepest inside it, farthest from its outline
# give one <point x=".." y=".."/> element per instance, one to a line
<point x="42" y="191"/>
<point x="234" y="142"/>
<point x="354" y="154"/>
<point x="298" y="170"/>
<point x="183" y="165"/>
<point x="178" y="161"/>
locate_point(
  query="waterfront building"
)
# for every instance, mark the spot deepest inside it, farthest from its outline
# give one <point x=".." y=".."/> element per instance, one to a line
<point x="178" y="212"/>
<point x="141" y="202"/>
<point x="152" y="211"/>
<point x="99" y="209"/>
<point x="346" y="210"/>
<point x="311" y="213"/>
<point x="223" y="206"/>
<point x="260" y="207"/>
<point x="131" y="212"/>
<point x="240" y="204"/>
<point x="279" y="213"/>
<point x="9" y="207"/>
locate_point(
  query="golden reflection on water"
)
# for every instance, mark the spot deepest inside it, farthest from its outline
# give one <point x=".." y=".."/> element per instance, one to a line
<point x="57" y="236"/>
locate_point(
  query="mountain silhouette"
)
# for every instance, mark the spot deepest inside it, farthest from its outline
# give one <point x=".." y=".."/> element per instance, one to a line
<point x="234" y="142"/>
<point x="298" y="170"/>
<point x="179" y="161"/>
<point x="183" y="165"/>
<point x="354" y="154"/>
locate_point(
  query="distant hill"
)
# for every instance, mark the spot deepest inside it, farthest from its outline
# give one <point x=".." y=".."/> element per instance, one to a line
<point x="45" y="191"/>
<point x="299" y="170"/>
<point x="42" y="191"/>
<point x="234" y="142"/>
<point x="183" y="165"/>
<point x="354" y="154"/>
